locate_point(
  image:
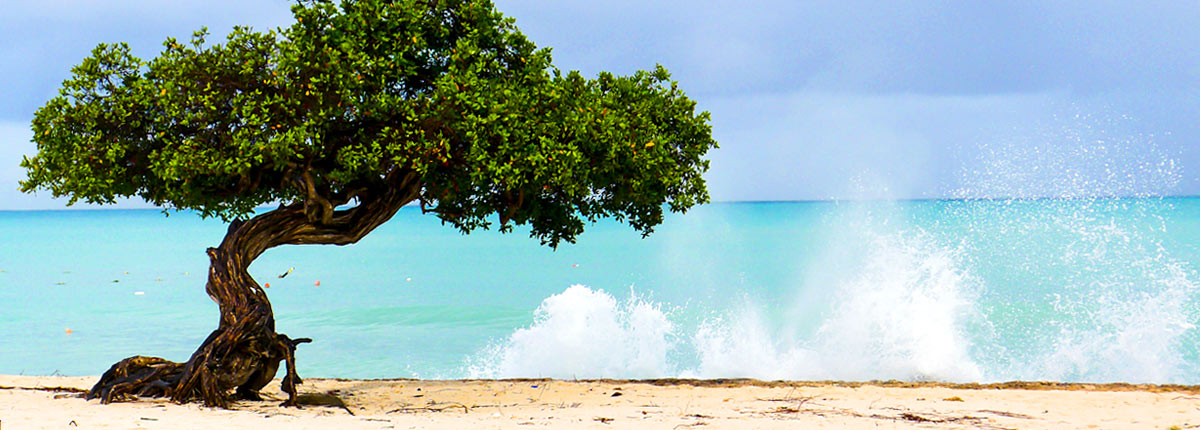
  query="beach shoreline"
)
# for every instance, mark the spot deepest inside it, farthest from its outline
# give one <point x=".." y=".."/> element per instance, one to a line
<point x="56" y="402"/>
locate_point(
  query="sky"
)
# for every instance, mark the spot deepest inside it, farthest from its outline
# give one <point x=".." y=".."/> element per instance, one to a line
<point x="809" y="99"/>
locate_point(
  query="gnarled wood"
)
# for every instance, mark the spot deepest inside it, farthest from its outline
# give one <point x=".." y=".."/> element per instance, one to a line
<point x="244" y="352"/>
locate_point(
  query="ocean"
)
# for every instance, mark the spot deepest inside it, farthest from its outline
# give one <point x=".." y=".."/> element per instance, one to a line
<point x="1077" y="289"/>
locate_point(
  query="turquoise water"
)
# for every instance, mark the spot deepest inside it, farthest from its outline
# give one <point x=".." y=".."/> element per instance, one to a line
<point x="1093" y="289"/>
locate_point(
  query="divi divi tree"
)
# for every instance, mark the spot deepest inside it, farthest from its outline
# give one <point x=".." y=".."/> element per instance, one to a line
<point x="354" y="111"/>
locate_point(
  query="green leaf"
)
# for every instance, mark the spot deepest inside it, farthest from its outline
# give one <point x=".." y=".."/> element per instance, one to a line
<point x="353" y="90"/>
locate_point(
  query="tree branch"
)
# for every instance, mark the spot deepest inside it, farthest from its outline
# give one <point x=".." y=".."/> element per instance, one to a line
<point x="350" y="225"/>
<point x="293" y="223"/>
<point x="323" y="212"/>
<point x="513" y="206"/>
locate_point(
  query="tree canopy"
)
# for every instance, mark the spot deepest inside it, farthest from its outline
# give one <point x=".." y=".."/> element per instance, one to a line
<point x="360" y="97"/>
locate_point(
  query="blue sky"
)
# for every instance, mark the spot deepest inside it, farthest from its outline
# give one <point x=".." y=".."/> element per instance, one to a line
<point x="810" y="99"/>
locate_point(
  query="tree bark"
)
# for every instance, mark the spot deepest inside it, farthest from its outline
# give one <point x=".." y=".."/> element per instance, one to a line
<point x="244" y="352"/>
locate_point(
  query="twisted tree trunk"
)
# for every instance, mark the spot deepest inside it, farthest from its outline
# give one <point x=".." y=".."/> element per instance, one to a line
<point x="244" y="352"/>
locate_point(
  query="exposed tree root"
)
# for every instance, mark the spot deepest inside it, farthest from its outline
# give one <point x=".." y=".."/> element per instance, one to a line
<point x="206" y="376"/>
<point x="138" y="376"/>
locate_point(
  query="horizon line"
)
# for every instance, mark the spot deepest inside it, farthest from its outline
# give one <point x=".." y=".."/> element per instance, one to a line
<point x="717" y="202"/>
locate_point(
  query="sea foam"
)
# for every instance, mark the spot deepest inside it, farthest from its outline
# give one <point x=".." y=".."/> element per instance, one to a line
<point x="584" y="333"/>
<point x="902" y="317"/>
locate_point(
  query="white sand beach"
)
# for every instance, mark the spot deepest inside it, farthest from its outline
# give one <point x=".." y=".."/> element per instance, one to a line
<point x="43" y="402"/>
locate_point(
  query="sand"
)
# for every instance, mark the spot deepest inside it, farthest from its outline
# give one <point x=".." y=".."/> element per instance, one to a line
<point x="38" y="402"/>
